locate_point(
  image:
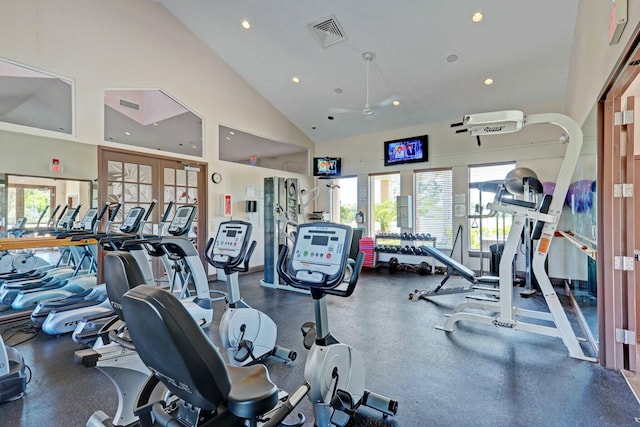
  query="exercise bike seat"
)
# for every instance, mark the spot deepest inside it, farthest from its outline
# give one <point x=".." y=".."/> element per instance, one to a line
<point x="189" y="365"/>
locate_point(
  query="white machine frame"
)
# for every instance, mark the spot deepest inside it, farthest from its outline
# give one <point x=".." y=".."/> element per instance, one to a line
<point x="489" y="123"/>
<point x="241" y="322"/>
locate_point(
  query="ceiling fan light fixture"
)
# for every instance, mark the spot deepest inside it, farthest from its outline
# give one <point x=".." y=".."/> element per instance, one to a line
<point x="395" y="103"/>
<point x="369" y="56"/>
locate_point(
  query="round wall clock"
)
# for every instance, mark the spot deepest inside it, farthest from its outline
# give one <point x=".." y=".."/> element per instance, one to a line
<point x="216" y="178"/>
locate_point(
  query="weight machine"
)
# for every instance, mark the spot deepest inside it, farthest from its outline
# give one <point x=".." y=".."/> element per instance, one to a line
<point x="503" y="313"/>
<point x="281" y="219"/>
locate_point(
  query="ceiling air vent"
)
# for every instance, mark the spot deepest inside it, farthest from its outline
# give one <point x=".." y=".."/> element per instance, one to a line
<point x="328" y="31"/>
<point x="128" y="104"/>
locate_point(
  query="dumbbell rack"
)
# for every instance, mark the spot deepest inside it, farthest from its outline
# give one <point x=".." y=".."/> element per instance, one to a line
<point x="403" y="258"/>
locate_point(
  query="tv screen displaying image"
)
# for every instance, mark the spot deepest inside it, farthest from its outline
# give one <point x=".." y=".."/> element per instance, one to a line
<point x="407" y="150"/>
<point x="327" y="166"/>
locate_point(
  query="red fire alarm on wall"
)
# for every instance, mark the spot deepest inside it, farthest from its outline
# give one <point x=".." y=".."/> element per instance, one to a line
<point x="55" y="166"/>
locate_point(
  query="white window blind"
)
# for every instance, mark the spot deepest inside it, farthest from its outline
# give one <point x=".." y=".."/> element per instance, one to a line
<point x="434" y="205"/>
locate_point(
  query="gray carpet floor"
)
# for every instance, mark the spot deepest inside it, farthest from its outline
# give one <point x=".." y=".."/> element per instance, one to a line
<point x="476" y="376"/>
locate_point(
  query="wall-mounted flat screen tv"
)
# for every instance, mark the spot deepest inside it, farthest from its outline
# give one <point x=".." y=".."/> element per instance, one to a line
<point x="327" y="166"/>
<point x="406" y="150"/>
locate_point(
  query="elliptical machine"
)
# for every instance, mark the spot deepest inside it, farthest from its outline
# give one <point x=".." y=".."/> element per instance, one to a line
<point x="13" y="379"/>
<point x="334" y="372"/>
<point x="249" y="335"/>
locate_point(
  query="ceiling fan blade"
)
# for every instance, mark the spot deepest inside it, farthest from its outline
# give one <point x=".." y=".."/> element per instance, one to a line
<point x="386" y="102"/>
<point x="335" y="110"/>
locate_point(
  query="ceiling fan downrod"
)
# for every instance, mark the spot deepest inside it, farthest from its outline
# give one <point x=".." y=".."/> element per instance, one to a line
<point x="368" y="57"/>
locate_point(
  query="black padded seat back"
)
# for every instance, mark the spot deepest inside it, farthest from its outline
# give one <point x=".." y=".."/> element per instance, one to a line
<point x="459" y="268"/>
<point x="121" y="273"/>
<point x="174" y="347"/>
<point x="545" y="203"/>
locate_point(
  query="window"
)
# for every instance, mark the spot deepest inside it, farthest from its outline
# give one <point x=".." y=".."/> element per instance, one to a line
<point x="384" y="190"/>
<point x="30" y="202"/>
<point x="486" y="227"/>
<point x="347" y="196"/>
<point x="434" y="201"/>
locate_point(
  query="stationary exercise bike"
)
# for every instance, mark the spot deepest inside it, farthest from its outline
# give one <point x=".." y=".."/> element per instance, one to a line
<point x="249" y="335"/>
<point x="334" y="372"/>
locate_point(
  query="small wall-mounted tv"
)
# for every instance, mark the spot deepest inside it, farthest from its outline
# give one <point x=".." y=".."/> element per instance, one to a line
<point x="327" y="166"/>
<point x="406" y="150"/>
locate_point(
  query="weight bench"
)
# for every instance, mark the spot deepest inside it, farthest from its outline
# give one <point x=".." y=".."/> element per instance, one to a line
<point x="454" y="267"/>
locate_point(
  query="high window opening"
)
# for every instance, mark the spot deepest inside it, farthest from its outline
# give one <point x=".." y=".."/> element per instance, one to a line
<point x="346" y="194"/>
<point x="384" y="190"/>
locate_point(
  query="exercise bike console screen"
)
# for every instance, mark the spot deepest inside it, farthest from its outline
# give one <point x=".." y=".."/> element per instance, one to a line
<point x="320" y="252"/>
<point x="182" y="220"/>
<point x="231" y="241"/>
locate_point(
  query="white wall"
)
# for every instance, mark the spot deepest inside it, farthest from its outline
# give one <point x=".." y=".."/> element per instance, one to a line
<point x="24" y="154"/>
<point x="592" y="59"/>
<point x="537" y="147"/>
<point x="138" y="44"/>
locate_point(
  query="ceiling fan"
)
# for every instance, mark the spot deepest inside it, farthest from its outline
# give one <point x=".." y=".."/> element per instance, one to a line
<point x="368" y="110"/>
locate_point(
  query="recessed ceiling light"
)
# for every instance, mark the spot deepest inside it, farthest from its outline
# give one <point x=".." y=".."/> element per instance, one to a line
<point x="396" y="103"/>
<point x="330" y="117"/>
<point x="246" y="24"/>
<point x="154" y="123"/>
<point x="477" y="17"/>
<point x="127" y="133"/>
<point x="227" y="138"/>
<point x="488" y="82"/>
<point x="295" y="80"/>
<point x="452" y="58"/>
<point x="338" y="90"/>
<point x="194" y="146"/>
<point x="231" y="132"/>
<point x="180" y="144"/>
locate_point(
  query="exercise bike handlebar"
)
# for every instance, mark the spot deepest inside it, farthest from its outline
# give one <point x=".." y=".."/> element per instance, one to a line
<point x="247" y="258"/>
<point x="331" y="288"/>
<point x="232" y="266"/>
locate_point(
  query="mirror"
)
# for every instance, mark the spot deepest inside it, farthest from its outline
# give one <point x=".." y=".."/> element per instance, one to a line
<point x="35" y="198"/>
<point x="34" y="98"/>
<point x="244" y="148"/>
<point x="152" y="119"/>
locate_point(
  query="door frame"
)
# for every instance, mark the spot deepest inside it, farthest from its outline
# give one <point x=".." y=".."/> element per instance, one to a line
<point x="103" y="156"/>
<point x="617" y="289"/>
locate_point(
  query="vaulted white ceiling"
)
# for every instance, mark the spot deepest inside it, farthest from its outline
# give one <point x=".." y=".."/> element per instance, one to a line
<point x="428" y="54"/>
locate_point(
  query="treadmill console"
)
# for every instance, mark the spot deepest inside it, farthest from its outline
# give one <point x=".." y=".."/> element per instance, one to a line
<point x="231" y="241"/>
<point x="181" y="222"/>
<point x="132" y="220"/>
<point x="320" y="252"/>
